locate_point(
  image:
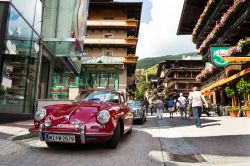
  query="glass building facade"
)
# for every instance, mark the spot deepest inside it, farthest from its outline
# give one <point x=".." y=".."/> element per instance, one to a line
<point x="32" y="67"/>
<point x="19" y="53"/>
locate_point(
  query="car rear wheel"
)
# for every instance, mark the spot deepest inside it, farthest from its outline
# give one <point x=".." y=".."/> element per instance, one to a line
<point x="141" y="120"/>
<point x="113" y="142"/>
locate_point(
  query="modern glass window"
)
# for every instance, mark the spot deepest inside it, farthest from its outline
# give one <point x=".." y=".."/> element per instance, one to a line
<point x="1" y="12"/>
<point x="31" y="12"/>
<point x="17" y="87"/>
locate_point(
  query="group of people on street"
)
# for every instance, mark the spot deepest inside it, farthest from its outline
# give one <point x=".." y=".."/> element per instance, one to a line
<point x="187" y="107"/>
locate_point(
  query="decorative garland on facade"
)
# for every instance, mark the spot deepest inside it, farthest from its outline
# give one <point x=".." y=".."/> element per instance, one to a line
<point x="220" y="24"/>
<point x="206" y="71"/>
<point x="238" y="48"/>
<point x="201" y="18"/>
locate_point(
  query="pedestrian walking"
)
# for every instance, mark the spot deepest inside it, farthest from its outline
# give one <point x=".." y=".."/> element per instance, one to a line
<point x="159" y="107"/>
<point x="182" y="105"/>
<point x="196" y="101"/>
<point x="145" y="103"/>
<point x="171" y="107"/>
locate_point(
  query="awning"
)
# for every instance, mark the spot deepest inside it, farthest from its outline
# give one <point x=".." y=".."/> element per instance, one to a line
<point x="236" y="59"/>
<point x="226" y="80"/>
<point x="104" y="60"/>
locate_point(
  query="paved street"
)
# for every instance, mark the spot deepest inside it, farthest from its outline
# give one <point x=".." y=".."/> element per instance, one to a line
<point x="221" y="141"/>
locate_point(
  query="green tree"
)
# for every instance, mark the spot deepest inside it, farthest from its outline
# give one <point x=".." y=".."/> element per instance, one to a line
<point x="231" y="93"/>
<point x="140" y="90"/>
<point x="242" y="88"/>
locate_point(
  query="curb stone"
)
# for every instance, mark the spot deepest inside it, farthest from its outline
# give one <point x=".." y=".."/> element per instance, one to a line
<point x="24" y="136"/>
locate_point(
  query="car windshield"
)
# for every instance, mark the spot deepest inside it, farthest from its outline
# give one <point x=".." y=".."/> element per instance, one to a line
<point x="105" y="96"/>
<point x="81" y="96"/>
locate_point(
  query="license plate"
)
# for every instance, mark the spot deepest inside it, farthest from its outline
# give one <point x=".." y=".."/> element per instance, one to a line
<point x="60" y="138"/>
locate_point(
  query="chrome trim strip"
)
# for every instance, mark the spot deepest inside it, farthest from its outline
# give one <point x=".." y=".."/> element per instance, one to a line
<point x="40" y="132"/>
<point x="99" y="134"/>
<point x="61" y="132"/>
<point x="82" y="134"/>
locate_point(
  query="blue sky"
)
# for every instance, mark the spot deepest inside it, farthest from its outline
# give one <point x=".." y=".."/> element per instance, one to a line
<point x="159" y="23"/>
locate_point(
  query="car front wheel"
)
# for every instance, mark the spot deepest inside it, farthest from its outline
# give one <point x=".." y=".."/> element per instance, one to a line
<point x="113" y="142"/>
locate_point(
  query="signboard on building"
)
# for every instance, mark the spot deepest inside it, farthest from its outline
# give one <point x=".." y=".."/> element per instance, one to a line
<point x="217" y="54"/>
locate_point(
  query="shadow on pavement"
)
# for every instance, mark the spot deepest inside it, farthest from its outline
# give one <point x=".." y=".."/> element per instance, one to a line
<point x="227" y="145"/>
<point x="142" y="146"/>
<point x="178" y="122"/>
<point x="214" y="124"/>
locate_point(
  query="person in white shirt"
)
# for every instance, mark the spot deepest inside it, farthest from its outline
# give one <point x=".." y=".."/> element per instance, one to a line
<point x="159" y="107"/>
<point x="182" y="105"/>
<point x="196" y="100"/>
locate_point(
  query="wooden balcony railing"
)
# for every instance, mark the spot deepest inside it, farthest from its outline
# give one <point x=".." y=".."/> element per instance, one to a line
<point x="124" y="41"/>
<point x="111" y="23"/>
<point x="126" y="59"/>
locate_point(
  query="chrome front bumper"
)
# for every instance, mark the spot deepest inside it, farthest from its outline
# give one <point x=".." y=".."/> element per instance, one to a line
<point x="81" y="133"/>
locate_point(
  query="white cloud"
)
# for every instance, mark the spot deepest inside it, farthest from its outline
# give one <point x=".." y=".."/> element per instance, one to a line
<point x="158" y="37"/>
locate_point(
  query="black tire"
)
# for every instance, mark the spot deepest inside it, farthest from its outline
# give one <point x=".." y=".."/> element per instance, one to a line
<point x="51" y="144"/>
<point x="113" y="142"/>
<point x="141" y="121"/>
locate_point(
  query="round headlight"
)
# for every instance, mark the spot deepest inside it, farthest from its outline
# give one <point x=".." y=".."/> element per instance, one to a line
<point x="47" y="122"/>
<point x="77" y="124"/>
<point x="40" y="114"/>
<point x="103" y="117"/>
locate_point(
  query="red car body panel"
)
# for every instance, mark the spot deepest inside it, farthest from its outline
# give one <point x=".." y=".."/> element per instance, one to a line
<point x="85" y="112"/>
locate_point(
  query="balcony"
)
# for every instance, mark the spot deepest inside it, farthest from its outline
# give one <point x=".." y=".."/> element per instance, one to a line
<point x="189" y="79"/>
<point x="112" y="23"/>
<point x="131" y="59"/>
<point x="182" y="69"/>
<point x="233" y="69"/>
<point x="130" y="41"/>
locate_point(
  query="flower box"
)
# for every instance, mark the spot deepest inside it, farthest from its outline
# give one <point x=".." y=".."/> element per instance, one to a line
<point x="246" y="109"/>
<point x="233" y="111"/>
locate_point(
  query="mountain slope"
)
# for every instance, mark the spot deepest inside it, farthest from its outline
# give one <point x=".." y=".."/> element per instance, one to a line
<point x="150" y="62"/>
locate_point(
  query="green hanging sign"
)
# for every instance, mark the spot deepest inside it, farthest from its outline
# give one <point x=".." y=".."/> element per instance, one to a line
<point x="217" y="54"/>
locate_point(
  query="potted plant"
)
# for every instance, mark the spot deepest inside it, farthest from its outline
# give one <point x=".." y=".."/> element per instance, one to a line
<point x="233" y="111"/>
<point x="231" y="93"/>
<point x="246" y="109"/>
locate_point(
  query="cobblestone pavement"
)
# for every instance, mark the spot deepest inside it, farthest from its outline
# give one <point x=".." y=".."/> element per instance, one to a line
<point x="221" y="141"/>
<point x="140" y="149"/>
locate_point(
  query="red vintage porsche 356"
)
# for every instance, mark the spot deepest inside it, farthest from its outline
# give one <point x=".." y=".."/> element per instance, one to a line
<point x="101" y="117"/>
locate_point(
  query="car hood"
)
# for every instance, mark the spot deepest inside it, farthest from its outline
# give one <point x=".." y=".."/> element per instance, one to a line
<point x="68" y="113"/>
